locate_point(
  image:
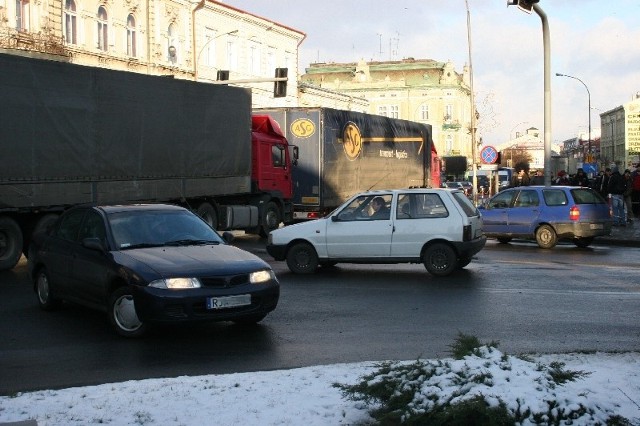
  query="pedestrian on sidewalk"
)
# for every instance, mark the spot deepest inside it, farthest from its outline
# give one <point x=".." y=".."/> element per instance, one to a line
<point x="616" y="191"/>
<point x="635" y="194"/>
<point x="628" y="189"/>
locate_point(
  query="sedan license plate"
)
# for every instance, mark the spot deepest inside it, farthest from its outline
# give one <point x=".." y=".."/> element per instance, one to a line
<point x="228" y="301"/>
<point x="596" y="226"/>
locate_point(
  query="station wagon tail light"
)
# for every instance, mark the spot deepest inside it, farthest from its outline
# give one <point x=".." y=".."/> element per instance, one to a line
<point x="466" y="233"/>
<point x="574" y="213"/>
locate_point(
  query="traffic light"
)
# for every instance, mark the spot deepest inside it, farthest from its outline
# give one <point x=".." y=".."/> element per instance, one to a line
<point x="280" y="87"/>
<point x="222" y="75"/>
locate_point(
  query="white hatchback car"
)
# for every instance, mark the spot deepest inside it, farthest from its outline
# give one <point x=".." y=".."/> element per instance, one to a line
<point x="438" y="227"/>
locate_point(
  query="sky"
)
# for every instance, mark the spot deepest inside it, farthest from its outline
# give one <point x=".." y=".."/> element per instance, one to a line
<point x="595" y="41"/>
<point x="306" y="396"/>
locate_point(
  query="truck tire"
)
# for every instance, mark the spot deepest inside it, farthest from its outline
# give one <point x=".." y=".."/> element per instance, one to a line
<point x="11" y="243"/>
<point x="271" y="219"/>
<point x="208" y="213"/>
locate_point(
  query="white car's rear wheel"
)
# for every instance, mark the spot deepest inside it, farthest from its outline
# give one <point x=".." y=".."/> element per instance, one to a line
<point x="440" y="259"/>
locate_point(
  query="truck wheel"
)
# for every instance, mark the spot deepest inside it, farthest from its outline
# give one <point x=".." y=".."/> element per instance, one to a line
<point x="46" y="298"/>
<point x="546" y="237"/>
<point x="440" y="259"/>
<point x="122" y="314"/>
<point x="208" y="213"/>
<point x="11" y="243"/>
<point x="270" y="219"/>
<point x="302" y="259"/>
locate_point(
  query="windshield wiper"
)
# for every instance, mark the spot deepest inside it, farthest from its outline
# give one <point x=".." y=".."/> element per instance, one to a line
<point x="140" y="245"/>
<point x="191" y="242"/>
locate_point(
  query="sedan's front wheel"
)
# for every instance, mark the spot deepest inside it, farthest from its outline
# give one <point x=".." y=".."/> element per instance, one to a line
<point x="440" y="259"/>
<point x="123" y="316"/>
<point x="302" y="259"/>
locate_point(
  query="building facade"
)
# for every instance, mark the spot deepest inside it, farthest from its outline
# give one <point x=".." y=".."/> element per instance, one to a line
<point x="620" y="140"/>
<point x="421" y="90"/>
<point x="183" y="39"/>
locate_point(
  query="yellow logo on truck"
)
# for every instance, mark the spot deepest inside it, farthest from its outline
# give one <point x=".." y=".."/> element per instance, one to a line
<point x="303" y="128"/>
<point x="352" y="141"/>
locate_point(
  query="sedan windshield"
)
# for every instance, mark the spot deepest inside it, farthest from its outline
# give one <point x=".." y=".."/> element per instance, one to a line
<point x="152" y="228"/>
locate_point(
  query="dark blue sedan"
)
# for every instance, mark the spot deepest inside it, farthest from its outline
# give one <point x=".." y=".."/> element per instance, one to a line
<point x="547" y="214"/>
<point x="146" y="264"/>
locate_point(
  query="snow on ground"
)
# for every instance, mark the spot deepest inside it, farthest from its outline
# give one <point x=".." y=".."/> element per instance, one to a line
<point x="306" y="396"/>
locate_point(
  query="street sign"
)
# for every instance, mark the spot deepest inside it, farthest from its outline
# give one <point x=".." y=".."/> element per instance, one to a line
<point x="489" y="155"/>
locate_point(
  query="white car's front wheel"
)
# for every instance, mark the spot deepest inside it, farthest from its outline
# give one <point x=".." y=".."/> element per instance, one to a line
<point x="302" y="259"/>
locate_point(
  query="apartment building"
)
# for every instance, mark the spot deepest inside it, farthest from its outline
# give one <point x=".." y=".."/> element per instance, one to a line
<point x="183" y="39"/>
<point x="421" y="90"/>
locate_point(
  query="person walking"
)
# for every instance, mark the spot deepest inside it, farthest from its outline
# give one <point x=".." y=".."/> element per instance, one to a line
<point x="628" y="189"/>
<point x="616" y="190"/>
<point x="521" y="179"/>
<point x="603" y="184"/>
<point x="580" y="179"/>
<point x="635" y="192"/>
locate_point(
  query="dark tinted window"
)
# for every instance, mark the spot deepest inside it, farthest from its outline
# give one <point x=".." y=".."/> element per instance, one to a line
<point x="93" y="227"/>
<point x="70" y="225"/>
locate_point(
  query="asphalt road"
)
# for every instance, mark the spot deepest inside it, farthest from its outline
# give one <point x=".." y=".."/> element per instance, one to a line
<point x="528" y="299"/>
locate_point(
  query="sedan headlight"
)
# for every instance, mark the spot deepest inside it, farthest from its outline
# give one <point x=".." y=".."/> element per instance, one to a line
<point x="176" y="283"/>
<point x="261" y="276"/>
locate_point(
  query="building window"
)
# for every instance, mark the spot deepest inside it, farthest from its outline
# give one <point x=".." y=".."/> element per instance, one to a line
<point x="103" y="29"/>
<point x="232" y="54"/>
<point x="424" y="112"/>
<point x="131" y="36"/>
<point x="395" y="111"/>
<point x="448" y="113"/>
<point x="254" y="58"/>
<point x="70" y="25"/>
<point x="22" y="15"/>
<point x="382" y="110"/>
<point x="271" y="62"/>
<point x="209" y="49"/>
<point x="172" y="48"/>
<point x="449" y="144"/>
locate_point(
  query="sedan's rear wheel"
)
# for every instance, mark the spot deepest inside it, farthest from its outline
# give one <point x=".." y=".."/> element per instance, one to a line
<point x="546" y="237"/>
<point x="46" y="298"/>
<point x="583" y="242"/>
<point x="302" y="259"/>
<point x="123" y="316"/>
<point x="440" y="259"/>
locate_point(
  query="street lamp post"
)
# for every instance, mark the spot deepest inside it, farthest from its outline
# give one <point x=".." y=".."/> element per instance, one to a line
<point x="589" y="109"/>
<point x="195" y="74"/>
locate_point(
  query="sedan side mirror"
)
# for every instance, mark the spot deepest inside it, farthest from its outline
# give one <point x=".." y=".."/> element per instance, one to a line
<point x="94" y="243"/>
